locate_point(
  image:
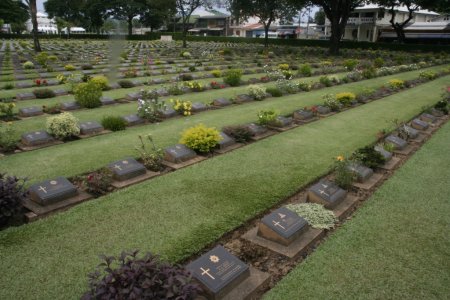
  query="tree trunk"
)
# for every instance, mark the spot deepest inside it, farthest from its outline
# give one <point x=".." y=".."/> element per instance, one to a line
<point x="33" y="11"/>
<point x="184" y="32"/>
<point x="335" y="37"/>
<point x="266" y="37"/>
<point x="130" y="25"/>
<point x="400" y="33"/>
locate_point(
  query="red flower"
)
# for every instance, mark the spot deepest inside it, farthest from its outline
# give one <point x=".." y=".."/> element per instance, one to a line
<point x="222" y="86"/>
<point x="38" y="82"/>
<point x="90" y="177"/>
<point x="44" y="81"/>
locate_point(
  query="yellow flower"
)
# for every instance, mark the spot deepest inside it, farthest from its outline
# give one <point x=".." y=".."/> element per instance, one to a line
<point x="9" y="123"/>
<point x="340" y="158"/>
<point x="13" y="105"/>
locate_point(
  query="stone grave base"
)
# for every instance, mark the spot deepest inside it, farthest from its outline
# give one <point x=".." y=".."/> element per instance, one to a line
<point x="176" y="166"/>
<point x="294" y="250"/>
<point x="327" y="115"/>
<point x="229" y="148"/>
<point x="134" y="180"/>
<point x="24" y="147"/>
<point x="248" y="288"/>
<point x="262" y="136"/>
<point x="391" y="164"/>
<point x="406" y="151"/>
<point x="306" y="121"/>
<point x="83" y="136"/>
<point x="345" y="207"/>
<point x="370" y="183"/>
<point x="283" y="129"/>
<point x="39" y="211"/>
<point x="419" y="139"/>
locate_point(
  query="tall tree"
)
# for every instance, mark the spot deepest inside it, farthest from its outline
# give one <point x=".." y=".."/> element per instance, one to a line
<point x="31" y="4"/>
<point x="68" y="10"/>
<point x="13" y="11"/>
<point x="338" y="12"/>
<point x="94" y="12"/>
<point x="319" y="17"/>
<point x="266" y="10"/>
<point x="185" y="8"/>
<point x="126" y="10"/>
<point x="159" y="12"/>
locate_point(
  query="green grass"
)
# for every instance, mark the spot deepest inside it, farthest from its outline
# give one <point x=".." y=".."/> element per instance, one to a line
<point x="177" y="214"/>
<point x="70" y="159"/>
<point x="395" y="247"/>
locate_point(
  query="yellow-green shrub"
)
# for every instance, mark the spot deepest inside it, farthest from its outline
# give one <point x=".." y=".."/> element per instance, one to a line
<point x="101" y="81"/>
<point x="63" y="125"/>
<point x="181" y="106"/>
<point x="70" y="67"/>
<point x="345" y="98"/>
<point x="201" y="138"/>
<point x="283" y="67"/>
<point x="88" y="94"/>
<point x="396" y="83"/>
<point x="216" y="73"/>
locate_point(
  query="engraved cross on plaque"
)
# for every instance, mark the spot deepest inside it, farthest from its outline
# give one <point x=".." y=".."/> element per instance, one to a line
<point x="322" y="192"/>
<point x="41" y="188"/>
<point x="207" y="273"/>
<point x="278" y="224"/>
<point x="118" y="167"/>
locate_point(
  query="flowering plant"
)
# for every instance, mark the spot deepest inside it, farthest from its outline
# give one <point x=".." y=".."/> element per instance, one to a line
<point x="149" y="106"/>
<point x="152" y="158"/>
<point x="181" y="106"/>
<point x="39" y="82"/>
<point x="194" y="85"/>
<point x="343" y="175"/>
<point x="98" y="183"/>
<point x="215" y="85"/>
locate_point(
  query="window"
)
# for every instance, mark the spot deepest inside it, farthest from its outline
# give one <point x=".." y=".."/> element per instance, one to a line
<point x="220" y="22"/>
<point x="380" y="14"/>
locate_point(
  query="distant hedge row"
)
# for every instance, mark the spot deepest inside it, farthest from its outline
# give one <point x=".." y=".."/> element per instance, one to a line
<point x="290" y="42"/>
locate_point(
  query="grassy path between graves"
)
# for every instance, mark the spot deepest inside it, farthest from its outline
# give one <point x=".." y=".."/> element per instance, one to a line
<point x="90" y="154"/>
<point x="177" y="214"/>
<point x="395" y="247"/>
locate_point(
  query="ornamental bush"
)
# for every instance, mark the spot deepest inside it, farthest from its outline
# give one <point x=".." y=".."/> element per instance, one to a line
<point x="42" y="58"/>
<point x="149" y="106"/>
<point x="350" y="64"/>
<point x="305" y="70"/>
<point x="151" y="155"/>
<point x="8" y="140"/>
<point x="70" y="67"/>
<point x="201" y="138"/>
<point x="12" y="193"/>
<point x="315" y="214"/>
<point x="232" y="77"/>
<point x="331" y="102"/>
<point x="183" y="107"/>
<point x="428" y="75"/>
<point x="396" y="84"/>
<point x="266" y="117"/>
<point x="101" y="81"/>
<point x="131" y="277"/>
<point x="125" y="84"/>
<point x="44" y="93"/>
<point x="63" y="126"/>
<point x="88" y="94"/>
<point x="369" y="157"/>
<point x="114" y="123"/>
<point x="258" y="92"/>
<point x="240" y="133"/>
<point x="216" y="73"/>
<point x="345" y="98"/>
<point x="274" y="91"/>
<point x="28" y="65"/>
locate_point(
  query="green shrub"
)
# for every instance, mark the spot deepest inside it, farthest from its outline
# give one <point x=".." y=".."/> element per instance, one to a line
<point x="12" y="194"/>
<point x="369" y="73"/>
<point x="305" y="70"/>
<point x="350" y="64"/>
<point x="63" y="126"/>
<point x="101" y="81"/>
<point x="343" y="175"/>
<point x="240" y="133"/>
<point x="44" y="93"/>
<point x="28" y="65"/>
<point x="315" y="214"/>
<point x="149" y="106"/>
<point x="7" y="110"/>
<point x="8" y="140"/>
<point x="396" y="84"/>
<point x="232" y="77"/>
<point x="266" y="117"/>
<point x="98" y="183"/>
<point x="8" y="86"/>
<point x="114" y="123"/>
<point x="345" y="98"/>
<point x="216" y="73"/>
<point x="378" y="62"/>
<point x="87" y="94"/>
<point x="326" y="81"/>
<point x="274" y="91"/>
<point x="70" y="67"/>
<point x="186" y="77"/>
<point x="258" y="92"/>
<point x="185" y="54"/>
<point x="428" y="75"/>
<point x="201" y="138"/>
<point x="87" y="67"/>
<point x="42" y="58"/>
<point x="369" y="157"/>
<point x="331" y="102"/>
<point x="125" y="84"/>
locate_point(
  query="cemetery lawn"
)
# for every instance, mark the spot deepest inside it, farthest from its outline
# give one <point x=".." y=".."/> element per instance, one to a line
<point x="397" y="244"/>
<point x="86" y="155"/>
<point x="176" y="215"/>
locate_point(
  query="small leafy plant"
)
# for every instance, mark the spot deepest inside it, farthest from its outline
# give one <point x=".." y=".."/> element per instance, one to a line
<point x="114" y="123"/>
<point x="88" y="94"/>
<point x="99" y="182"/>
<point x="151" y="156"/>
<point x="274" y="91"/>
<point x="149" y="106"/>
<point x="396" y="84"/>
<point x="63" y="126"/>
<point x="315" y="214"/>
<point x="8" y="140"/>
<point x="101" y="81"/>
<point x="44" y="93"/>
<point x="201" y="138"/>
<point x="12" y="194"/>
<point x="131" y="277"/>
<point x="331" y="102"/>
<point x="258" y="92"/>
<point x="345" y="98"/>
<point x="183" y="107"/>
<point x="232" y="77"/>
<point x="7" y="110"/>
<point x="266" y="117"/>
<point x="369" y="157"/>
<point x="126" y="84"/>
<point x="240" y="133"/>
<point x="343" y="176"/>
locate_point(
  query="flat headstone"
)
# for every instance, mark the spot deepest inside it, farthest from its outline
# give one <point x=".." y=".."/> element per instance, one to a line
<point x="362" y="173"/>
<point x="30" y="111"/>
<point x="90" y="127"/>
<point x="107" y="101"/>
<point x="133" y="96"/>
<point x="386" y="154"/>
<point x="44" y="75"/>
<point x="36" y="138"/>
<point x="25" y="96"/>
<point x="52" y="191"/>
<point x="126" y="169"/>
<point x="436" y="112"/>
<point x="419" y="124"/>
<point x="20" y="77"/>
<point x="219" y="272"/>
<point x="158" y="80"/>
<point x="282" y="121"/>
<point x="198" y="106"/>
<point x="168" y="113"/>
<point x="136" y="82"/>
<point x="282" y="226"/>
<point x="327" y="193"/>
<point x="412" y="133"/>
<point x="253" y="80"/>
<point x="243" y="98"/>
<point x="323" y="110"/>
<point x="52" y="82"/>
<point x="398" y="143"/>
<point x="162" y="92"/>
<point x="428" y="118"/>
<point x="60" y="92"/>
<point x="23" y="85"/>
<point x="133" y="120"/>
<point x="226" y="141"/>
<point x="256" y="129"/>
<point x="114" y="85"/>
<point x="303" y="115"/>
<point x="70" y="105"/>
<point x="178" y="154"/>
